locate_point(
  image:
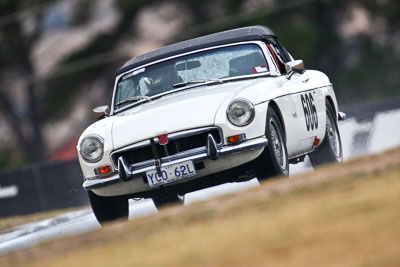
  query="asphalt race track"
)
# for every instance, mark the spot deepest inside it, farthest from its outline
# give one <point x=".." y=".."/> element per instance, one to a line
<point x="359" y="137"/>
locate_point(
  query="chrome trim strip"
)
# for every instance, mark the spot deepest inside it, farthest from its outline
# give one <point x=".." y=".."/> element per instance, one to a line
<point x="245" y="146"/>
<point x="180" y="155"/>
<point x="187" y="133"/>
<point x="296" y="92"/>
<point x="171" y="137"/>
<point x="96" y="183"/>
<point x="212" y="148"/>
<point x="198" y="157"/>
<point x="132" y="146"/>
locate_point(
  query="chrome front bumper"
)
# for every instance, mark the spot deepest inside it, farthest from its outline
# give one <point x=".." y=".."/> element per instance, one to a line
<point x="199" y="156"/>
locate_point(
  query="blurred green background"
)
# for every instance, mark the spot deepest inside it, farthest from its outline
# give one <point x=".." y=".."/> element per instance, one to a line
<point x="58" y="58"/>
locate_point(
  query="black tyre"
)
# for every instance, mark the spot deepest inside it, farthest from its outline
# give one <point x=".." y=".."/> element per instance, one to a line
<point x="274" y="159"/>
<point x="108" y="209"/>
<point x="330" y="149"/>
<point x="164" y="200"/>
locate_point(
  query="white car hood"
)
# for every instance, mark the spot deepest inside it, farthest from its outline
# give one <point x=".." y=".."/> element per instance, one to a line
<point x="183" y="110"/>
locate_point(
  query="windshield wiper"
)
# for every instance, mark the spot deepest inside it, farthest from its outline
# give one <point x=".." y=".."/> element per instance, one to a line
<point x="133" y="99"/>
<point x="197" y="81"/>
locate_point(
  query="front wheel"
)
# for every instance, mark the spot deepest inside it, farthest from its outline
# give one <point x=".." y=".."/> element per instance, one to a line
<point x="163" y="200"/>
<point x="108" y="209"/>
<point x="274" y="159"/>
<point x="330" y="149"/>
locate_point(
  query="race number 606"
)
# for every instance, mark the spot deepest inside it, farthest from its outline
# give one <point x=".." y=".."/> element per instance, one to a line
<point x="310" y="112"/>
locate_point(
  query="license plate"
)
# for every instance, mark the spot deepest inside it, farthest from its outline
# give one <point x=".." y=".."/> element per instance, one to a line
<point x="171" y="173"/>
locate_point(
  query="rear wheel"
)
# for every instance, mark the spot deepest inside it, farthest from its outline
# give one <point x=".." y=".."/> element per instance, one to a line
<point x="108" y="209"/>
<point x="330" y="149"/>
<point x="274" y="159"/>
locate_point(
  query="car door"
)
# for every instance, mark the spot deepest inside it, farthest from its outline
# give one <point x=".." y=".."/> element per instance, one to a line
<point x="300" y="105"/>
<point x="299" y="108"/>
<point x="309" y="103"/>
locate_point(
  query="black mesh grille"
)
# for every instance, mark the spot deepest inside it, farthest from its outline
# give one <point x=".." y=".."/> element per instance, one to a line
<point x="173" y="147"/>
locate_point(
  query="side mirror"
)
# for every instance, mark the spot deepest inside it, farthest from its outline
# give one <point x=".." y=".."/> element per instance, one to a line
<point x="342" y="116"/>
<point x="101" y="112"/>
<point x="296" y="66"/>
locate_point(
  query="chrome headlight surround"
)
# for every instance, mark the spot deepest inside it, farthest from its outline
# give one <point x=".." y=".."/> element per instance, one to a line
<point x="91" y="148"/>
<point x="240" y="112"/>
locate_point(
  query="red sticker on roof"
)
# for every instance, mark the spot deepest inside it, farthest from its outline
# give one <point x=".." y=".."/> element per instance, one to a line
<point x="260" y="69"/>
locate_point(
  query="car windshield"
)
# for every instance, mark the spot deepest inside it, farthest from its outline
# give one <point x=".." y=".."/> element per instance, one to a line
<point x="211" y="65"/>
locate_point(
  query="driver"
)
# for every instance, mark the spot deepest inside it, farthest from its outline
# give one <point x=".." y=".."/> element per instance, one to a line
<point x="161" y="79"/>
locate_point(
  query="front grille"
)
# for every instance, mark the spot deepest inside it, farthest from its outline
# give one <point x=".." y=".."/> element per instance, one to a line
<point x="179" y="142"/>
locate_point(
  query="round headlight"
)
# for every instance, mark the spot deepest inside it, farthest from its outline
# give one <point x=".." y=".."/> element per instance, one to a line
<point x="240" y="112"/>
<point x="92" y="148"/>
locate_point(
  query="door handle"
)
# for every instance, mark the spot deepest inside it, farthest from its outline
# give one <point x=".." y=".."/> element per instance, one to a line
<point x="306" y="80"/>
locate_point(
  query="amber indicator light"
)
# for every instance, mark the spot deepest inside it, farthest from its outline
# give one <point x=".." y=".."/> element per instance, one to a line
<point x="233" y="139"/>
<point x="102" y="170"/>
<point x="236" y="138"/>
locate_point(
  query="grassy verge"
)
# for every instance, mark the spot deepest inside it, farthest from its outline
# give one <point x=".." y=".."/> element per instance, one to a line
<point x="340" y="215"/>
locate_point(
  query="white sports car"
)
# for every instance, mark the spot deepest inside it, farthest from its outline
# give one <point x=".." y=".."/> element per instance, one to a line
<point x="220" y="108"/>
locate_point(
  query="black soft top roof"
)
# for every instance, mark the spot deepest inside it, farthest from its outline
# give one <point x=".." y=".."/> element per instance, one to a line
<point x="220" y="38"/>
